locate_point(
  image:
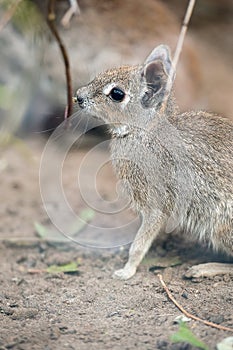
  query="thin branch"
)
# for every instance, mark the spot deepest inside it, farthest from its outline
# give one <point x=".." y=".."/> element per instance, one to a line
<point x="186" y="313"/>
<point x="178" y="50"/>
<point x="73" y="10"/>
<point x="51" y="22"/>
<point x="181" y="38"/>
<point x="9" y="14"/>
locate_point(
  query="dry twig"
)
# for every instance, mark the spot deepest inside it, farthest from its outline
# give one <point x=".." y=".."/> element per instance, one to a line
<point x="183" y="31"/>
<point x="178" y="50"/>
<point x="73" y="10"/>
<point x="186" y="313"/>
<point x="51" y="22"/>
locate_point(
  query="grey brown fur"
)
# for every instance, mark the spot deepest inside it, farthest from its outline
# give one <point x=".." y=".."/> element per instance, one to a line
<point x="176" y="168"/>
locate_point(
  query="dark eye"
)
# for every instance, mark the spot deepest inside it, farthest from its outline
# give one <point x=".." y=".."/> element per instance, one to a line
<point x="117" y="94"/>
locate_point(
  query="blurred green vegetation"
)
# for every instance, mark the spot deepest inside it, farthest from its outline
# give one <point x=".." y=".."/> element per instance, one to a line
<point x="5" y="97"/>
<point x="26" y="18"/>
<point x="22" y="33"/>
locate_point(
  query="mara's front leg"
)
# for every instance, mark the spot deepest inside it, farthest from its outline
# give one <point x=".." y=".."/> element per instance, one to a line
<point x="150" y="228"/>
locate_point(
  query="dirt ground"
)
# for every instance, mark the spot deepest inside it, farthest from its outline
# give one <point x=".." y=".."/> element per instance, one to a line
<point x="89" y="309"/>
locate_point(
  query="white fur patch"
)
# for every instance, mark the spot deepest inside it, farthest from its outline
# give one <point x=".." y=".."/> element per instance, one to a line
<point x="107" y="89"/>
<point x="125" y="101"/>
<point x="120" y="131"/>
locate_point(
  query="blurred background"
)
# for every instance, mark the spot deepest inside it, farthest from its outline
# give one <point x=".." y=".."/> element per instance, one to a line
<point x="108" y="33"/>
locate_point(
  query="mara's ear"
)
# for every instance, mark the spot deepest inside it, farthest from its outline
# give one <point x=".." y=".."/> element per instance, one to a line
<point x="155" y="75"/>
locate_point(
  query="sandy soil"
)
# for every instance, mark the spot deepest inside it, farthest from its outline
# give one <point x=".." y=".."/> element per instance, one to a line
<point x="89" y="309"/>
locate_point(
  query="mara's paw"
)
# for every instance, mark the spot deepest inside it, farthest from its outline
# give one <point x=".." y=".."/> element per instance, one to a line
<point x="124" y="274"/>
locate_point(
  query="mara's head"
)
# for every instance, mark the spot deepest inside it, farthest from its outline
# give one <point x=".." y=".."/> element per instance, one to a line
<point x="125" y="94"/>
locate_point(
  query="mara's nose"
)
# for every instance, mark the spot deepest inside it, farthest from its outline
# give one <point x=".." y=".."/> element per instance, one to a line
<point x="80" y="100"/>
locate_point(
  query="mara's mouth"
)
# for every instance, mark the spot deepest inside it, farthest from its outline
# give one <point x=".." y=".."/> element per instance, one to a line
<point x="119" y="130"/>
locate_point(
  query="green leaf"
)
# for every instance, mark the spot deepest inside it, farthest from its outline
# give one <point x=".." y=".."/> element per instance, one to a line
<point x="41" y="230"/>
<point x="85" y="216"/>
<point x="162" y="262"/>
<point x="67" y="268"/>
<point x="184" y="334"/>
<point x="49" y="235"/>
<point x="54" y="235"/>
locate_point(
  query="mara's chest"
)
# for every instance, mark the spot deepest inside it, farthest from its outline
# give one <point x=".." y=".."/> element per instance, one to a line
<point x="130" y="167"/>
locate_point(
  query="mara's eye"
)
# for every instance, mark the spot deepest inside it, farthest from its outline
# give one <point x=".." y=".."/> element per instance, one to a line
<point x="117" y="94"/>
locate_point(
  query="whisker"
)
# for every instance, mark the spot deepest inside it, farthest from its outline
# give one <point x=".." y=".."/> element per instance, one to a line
<point x="44" y="131"/>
